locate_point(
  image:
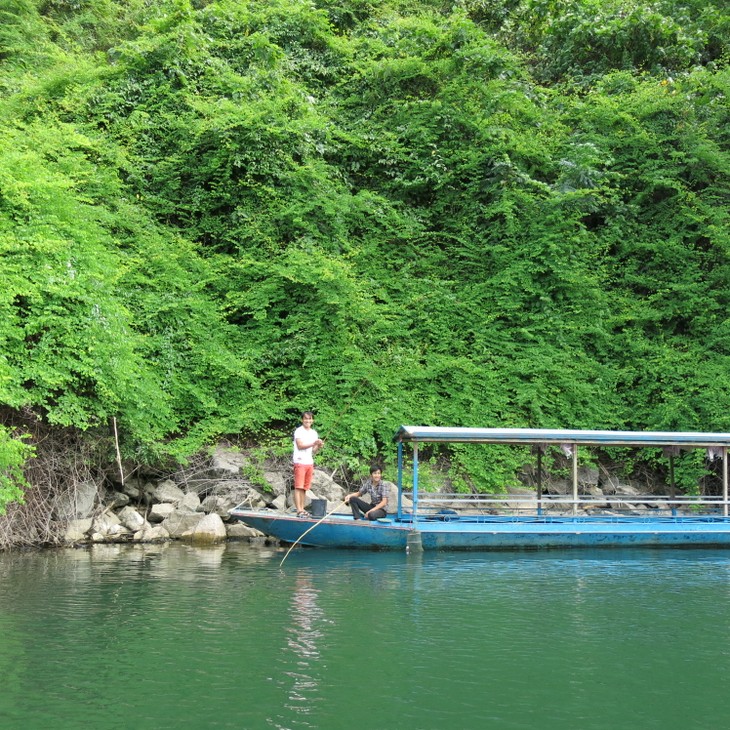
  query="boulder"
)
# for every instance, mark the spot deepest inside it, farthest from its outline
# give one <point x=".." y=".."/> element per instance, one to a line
<point x="190" y="502"/>
<point x="587" y="477"/>
<point x="280" y="503"/>
<point x="131" y="519"/>
<point x="246" y="496"/>
<point x="626" y="490"/>
<point x="278" y="482"/>
<point x="160" y="512"/>
<point x="393" y="498"/>
<point x="107" y="526"/>
<point x="227" y="461"/>
<point x="327" y="488"/>
<point x="118" y="499"/>
<point x="557" y="486"/>
<point x="76" y="530"/>
<point x="151" y="534"/>
<point x="133" y="488"/>
<point x="217" y="505"/>
<point x="118" y="531"/>
<point x="178" y="523"/>
<point x="103" y="523"/>
<point x="210" y="529"/>
<point x="522" y="499"/>
<point x="168" y="491"/>
<point x="239" y="531"/>
<point x="77" y="502"/>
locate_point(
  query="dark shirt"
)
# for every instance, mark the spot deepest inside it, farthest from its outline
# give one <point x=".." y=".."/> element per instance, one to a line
<point x="377" y="492"/>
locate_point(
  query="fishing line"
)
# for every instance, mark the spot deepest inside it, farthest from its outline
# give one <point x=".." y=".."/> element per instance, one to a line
<point x="309" y="530"/>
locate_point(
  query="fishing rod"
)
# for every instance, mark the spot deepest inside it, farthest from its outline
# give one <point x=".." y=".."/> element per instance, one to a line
<point x="309" y="530"/>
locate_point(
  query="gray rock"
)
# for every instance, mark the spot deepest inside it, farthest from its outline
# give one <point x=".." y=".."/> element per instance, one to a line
<point x="326" y="487"/>
<point x="239" y="531"/>
<point x="77" y="502"/>
<point x="76" y="530"/>
<point x="626" y="491"/>
<point x="118" y="499"/>
<point x="393" y="499"/>
<point x="227" y="461"/>
<point x="210" y="529"/>
<point x="168" y="491"/>
<point x="278" y="482"/>
<point x="133" y="488"/>
<point x="190" y="502"/>
<point x="558" y="486"/>
<point x="279" y="503"/>
<point x="151" y="534"/>
<point x="118" y="531"/>
<point x="178" y="523"/>
<point x="103" y="523"/>
<point x="160" y="512"/>
<point x="217" y="505"/>
<point x="131" y="519"/>
<point x="248" y="497"/>
<point x="587" y="476"/>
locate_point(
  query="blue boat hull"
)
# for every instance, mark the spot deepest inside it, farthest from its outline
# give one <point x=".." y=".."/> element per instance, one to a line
<point x="491" y="532"/>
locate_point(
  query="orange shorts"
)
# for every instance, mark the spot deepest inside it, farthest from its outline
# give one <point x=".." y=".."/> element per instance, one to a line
<point x="303" y="476"/>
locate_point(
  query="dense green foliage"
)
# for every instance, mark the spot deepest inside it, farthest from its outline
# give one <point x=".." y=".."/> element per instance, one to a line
<point x="216" y="214"/>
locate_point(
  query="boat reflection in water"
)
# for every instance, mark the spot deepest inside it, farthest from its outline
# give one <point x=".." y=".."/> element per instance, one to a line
<point x="302" y="654"/>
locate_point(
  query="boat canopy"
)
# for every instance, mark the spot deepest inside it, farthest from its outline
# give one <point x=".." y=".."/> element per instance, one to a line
<point x="569" y="440"/>
<point x="446" y="434"/>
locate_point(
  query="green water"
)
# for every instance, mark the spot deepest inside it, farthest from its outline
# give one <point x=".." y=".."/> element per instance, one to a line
<point x="177" y="637"/>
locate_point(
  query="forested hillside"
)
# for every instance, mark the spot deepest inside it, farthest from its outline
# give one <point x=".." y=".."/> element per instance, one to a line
<point x="214" y="215"/>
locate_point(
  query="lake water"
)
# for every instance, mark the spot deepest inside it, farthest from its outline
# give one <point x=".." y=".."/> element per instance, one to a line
<point x="177" y="637"/>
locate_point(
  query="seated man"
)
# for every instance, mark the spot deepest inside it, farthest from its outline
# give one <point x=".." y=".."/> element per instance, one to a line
<point x="378" y="498"/>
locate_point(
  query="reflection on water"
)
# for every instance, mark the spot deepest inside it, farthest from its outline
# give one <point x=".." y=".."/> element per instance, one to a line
<point x="302" y="638"/>
<point x="172" y="636"/>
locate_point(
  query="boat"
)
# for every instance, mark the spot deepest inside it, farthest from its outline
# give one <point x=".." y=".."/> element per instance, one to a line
<point x="499" y="522"/>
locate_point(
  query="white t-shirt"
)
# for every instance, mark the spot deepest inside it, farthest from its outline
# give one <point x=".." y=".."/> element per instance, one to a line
<point x="304" y="456"/>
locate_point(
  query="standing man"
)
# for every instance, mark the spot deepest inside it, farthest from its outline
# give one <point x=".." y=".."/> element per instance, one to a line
<point x="306" y="444"/>
<point x="378" y="493"/>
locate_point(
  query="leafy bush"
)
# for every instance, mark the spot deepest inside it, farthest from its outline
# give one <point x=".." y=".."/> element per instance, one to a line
<point x="13" y="454"/>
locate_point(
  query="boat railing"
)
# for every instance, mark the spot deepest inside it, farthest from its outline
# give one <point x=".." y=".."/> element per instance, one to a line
<point x="556" y="503"/>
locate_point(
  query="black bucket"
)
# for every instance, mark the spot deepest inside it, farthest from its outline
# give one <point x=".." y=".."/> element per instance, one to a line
<point x="318" y="507"/>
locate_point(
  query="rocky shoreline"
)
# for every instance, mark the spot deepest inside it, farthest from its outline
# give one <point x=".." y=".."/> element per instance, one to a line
<point x="147" y="511"/>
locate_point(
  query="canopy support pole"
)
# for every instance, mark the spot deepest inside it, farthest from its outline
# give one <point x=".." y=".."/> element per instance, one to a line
<point x="413" y="539"/>
<point x="539" y="480"/>
<point x="724" y="480"/>
<point x="400" y="480"/>
<point x="415" y="481"/>
<point x="575" y="479"/>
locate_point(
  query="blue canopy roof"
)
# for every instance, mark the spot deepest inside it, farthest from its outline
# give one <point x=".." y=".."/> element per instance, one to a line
<point x="446" y="434"/>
